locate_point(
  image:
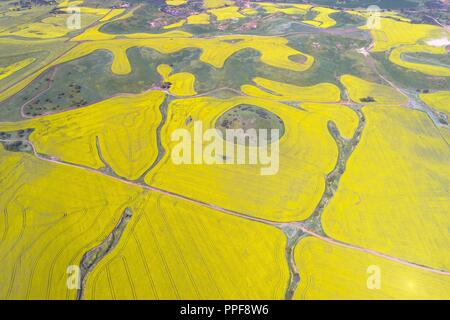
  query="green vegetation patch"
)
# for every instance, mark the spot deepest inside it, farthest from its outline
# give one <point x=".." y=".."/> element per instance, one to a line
<point x="334" y="55"/>
<point x="151" y="18"/>
<point x="88" y="80"/>
<point x="16" y="141"/>
<point x="441" y="60"/>
<point x="344" y="19"/>
<point x="76" y="84"/>
<point x="407" y="78"/>
<point x="248" y="117"/>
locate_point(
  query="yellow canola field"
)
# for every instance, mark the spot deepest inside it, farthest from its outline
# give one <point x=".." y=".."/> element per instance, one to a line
<point x="173" y="249"/>
<point x="182" y="83"/>
<point x="283" y="8"/>
<point x="9" y="70"/>
<point x="249" y="11"/>
<point x="395" y="33"/>
<point x="393" y="196"/>
<point x="50" y="216"/>
<point x="358" y="88"/>
<point x="328" y="271"/>
<point x="437" y="100"/>
<point x="112" y="14"/>
<point x="202" y="18"/>
<point x="176" y="2"/>
<point x="107" y="14"/>
<point x="445" y="132"/>
<point x="176" y="24"/>
<point x="226" y="13"/>
<point x="433" y="70"/>
<point x="69" y="3"/>
<point x="322" y="92"/>
<point x="210" y="4"/>
<point x="282" y="5"/>
<point x="323" y="19"/>
<point x="307" y="152"/>
<point x="125" y="127"/>
<point x="346" y="120"/>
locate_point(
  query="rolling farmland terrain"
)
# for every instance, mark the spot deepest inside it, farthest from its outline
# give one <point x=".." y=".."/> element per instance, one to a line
<point x="99" y="200"/>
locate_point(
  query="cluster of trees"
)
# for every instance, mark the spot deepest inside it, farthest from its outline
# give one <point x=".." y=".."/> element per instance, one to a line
<point x="367" y="99"/>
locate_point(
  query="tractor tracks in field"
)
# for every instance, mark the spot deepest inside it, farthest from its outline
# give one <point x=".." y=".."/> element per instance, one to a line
<point x="294" y="231"/>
